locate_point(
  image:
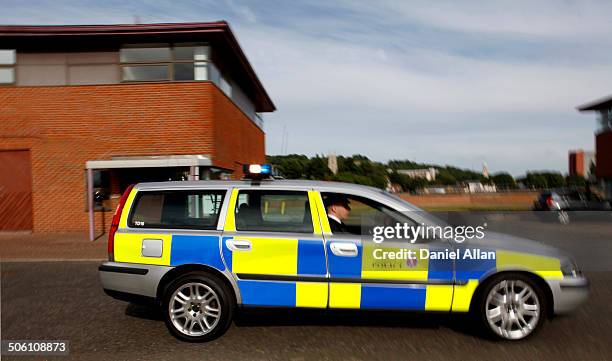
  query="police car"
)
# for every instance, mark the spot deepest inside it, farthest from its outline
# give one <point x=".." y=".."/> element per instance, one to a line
<point x="200" y="249"/>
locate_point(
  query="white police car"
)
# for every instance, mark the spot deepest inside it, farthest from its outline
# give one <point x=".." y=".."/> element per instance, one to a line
<point x="201" y="248"/>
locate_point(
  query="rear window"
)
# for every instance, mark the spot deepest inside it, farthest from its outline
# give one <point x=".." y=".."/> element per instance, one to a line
<point x="193" y="209"/>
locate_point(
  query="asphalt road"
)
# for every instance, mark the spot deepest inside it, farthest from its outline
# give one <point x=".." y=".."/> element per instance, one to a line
<point x="64" y="300"/>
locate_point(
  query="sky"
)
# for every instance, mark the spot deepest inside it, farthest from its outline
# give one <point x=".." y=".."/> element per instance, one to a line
<point x="462" y="83"/>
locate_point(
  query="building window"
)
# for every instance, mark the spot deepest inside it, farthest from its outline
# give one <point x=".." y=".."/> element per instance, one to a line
<point x="225" y="86"/>
<point x="217" y="78"/>
<point x="164" y="62"/>
<point x="7" y="66"/>
<point x="605" y="120"/>
<point x="145" y="72"/>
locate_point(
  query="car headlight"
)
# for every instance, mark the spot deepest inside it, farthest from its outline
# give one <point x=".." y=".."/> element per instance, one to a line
<point x="569" y="268"/>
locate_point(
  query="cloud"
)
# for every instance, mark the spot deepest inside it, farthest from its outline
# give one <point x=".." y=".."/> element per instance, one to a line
<point x="442" y="82"/>
<point x="548" y="19"/>
<point x="313" y="73"/>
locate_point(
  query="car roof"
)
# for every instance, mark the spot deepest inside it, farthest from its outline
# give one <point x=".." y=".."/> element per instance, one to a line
<point x="320" y="185"/>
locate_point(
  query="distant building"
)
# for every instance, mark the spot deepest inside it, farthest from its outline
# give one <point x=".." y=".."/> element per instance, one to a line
<point x="477" y="187"/>
<point x="90" y="109"/>
<point x="438" y="190"/>
<point x="427" y="173"/>
<point x="581" y="162"/>
<point x="392" y="187"/>
<point x="603" y="141"/>
<point x="332" y="163"/>
<point x="485" y="170"/>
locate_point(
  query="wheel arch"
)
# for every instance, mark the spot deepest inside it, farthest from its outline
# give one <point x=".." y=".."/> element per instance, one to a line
<point x="188" y="268"/>
<point x="533" y="276"/>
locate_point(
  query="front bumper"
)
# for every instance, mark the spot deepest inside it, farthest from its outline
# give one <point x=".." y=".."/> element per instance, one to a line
<point x="569" y="293"/>
<point x="120" y="280"/>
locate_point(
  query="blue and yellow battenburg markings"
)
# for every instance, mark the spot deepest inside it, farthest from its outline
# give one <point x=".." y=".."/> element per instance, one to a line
<point x="176" y="250"/>
<point x="469" y="272"/>
<point x="417" y="296"/>
<point x="303" y="257"/>
<point x="273" y="256"/>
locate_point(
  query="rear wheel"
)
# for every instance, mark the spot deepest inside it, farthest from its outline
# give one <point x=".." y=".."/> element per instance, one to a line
<point x="198" y="307"/>
<point x="511" y="306"/>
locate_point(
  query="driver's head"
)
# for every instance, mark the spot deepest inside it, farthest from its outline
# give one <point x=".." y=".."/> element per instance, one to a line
<point x="338" y="206"/>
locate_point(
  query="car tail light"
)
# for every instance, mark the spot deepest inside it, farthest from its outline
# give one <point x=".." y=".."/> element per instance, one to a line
<point x="550" y="202"/>
<point x="115" y="223"/>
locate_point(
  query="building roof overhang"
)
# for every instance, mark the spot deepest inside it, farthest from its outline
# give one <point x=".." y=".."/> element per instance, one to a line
<point x="89" y="37"/>
<point x="196" y="160"/>
<point x="602" y="103"/>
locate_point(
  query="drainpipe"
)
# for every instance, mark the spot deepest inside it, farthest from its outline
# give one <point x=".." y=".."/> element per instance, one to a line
<point x="90" y="203"/>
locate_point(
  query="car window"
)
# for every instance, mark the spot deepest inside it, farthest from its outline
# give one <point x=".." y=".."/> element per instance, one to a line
<point x="366" y="213"/>
<point x="273" y="211"/>
<point x="574" y="196"/>
<point x="197" y="209"/>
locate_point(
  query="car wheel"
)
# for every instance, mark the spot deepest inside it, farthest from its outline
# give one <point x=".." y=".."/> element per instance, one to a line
<point x="563" y="217"/>
<point x="198" y="307"/>
<point x="511" y="307"/>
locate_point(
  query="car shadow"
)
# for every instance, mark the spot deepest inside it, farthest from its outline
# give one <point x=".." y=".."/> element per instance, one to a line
<point x="146" y="312"/>
<point x="275" y="317"/>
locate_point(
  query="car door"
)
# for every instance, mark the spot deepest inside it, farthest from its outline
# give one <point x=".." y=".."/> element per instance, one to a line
<point x="359" y="278"/>
<point x="273" y="246"/>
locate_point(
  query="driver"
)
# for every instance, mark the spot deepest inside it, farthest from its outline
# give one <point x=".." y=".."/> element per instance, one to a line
<point x="338" y="209"/>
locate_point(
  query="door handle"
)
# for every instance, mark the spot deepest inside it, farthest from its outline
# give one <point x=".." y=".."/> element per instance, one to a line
<point x="238" y="245"/>
<point x="344" y="249"/>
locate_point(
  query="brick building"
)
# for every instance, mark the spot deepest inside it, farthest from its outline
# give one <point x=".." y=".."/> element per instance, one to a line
<point x="603" y="141"/>
<point x="580" y="163"/>
<point x="119" y="104"/>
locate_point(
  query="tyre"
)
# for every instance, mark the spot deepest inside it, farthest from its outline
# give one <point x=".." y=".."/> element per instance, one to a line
<point x="198" y="307"/>
<point x="511" y="306"/>
<point x="563" y="217"/>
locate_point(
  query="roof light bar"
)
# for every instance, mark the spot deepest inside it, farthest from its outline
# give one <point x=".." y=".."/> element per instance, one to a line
<point x="257" y="171"/>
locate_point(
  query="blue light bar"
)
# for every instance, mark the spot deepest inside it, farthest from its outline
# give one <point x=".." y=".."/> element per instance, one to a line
<point x="257" y="170"/>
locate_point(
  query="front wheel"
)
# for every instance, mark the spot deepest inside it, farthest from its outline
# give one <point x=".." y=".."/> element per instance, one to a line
<point x="563" y="217"/>
<point x="198" y="307"/>
<point x="511" y="306"/>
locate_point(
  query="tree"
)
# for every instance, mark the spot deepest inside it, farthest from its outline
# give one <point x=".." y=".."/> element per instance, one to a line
<point x="503" y="180"/>
<point x="535" y="181"/>
<point x="407" y="183"/>
<point x="554" y="180"/>
<point x="317" y="168"/>
<point x="576" y="181"/>
<point x="445" y="178"/>
<point x="539" y="180"/>
<point x="360" y="169"/>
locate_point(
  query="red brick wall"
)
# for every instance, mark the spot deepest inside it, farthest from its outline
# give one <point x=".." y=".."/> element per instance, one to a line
<point x="576" y="164"/>
<point x="603" y="145"/>
<point x="66" y="126"/>
<point x="236" y="142"/>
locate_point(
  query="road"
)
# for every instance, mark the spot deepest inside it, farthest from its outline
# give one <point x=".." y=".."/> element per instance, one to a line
<point x="64" y="300"/>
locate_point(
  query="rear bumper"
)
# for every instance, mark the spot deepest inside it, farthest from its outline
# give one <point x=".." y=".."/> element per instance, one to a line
<point x="569" y="293"/>
<point x="138" y="281"/>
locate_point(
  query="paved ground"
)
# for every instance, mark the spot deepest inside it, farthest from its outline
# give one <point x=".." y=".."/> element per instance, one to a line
<point x="64" y="300"/>
<point x="26" y="246"/>
<point x="53" y="300"/>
